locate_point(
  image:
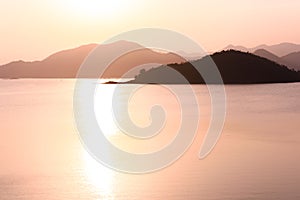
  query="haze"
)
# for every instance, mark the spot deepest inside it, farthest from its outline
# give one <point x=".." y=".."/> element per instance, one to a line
<point x="32" y="30"/>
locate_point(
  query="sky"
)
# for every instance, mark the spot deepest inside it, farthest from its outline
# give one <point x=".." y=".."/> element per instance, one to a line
<point x="34" y="29"/>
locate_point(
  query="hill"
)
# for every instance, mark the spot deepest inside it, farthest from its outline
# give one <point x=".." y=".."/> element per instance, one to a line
<point x="65" y="64"/>
<point x="235" y="67"/>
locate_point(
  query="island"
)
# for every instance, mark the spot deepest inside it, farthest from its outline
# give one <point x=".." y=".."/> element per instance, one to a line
<point x="235" y="67"/>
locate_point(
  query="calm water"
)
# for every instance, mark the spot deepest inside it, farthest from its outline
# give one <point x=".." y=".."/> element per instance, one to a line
<point x="256" y="157"/>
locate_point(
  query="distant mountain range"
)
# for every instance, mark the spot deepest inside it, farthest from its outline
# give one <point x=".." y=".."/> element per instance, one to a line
<point x="287" y="54"/>
<point x="291" y="60"/>
<point x="65" y="64"/>
<point x="235" y="67"/>
<point x="280" y="50"/>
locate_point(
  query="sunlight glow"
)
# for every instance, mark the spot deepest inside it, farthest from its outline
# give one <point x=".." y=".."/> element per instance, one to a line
<point x="99" y="176"/>
<point x="103" y="109"/>
<point x="96" y="8"/>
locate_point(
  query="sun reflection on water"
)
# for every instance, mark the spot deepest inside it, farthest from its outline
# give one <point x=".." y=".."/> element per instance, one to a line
<point x="101" y="178"/>
<point x="103" y="109"/>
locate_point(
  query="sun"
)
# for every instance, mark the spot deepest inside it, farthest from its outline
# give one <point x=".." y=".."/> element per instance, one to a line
<point x="96" y="8"/>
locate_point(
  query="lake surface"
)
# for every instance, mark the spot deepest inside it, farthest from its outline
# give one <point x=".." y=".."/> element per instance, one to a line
<point x="256" y="157"/>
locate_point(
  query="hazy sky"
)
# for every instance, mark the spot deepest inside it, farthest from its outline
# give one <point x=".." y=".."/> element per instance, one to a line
<point x="33" y="29"/>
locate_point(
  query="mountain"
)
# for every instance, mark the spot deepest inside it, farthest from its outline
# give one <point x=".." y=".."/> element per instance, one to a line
<point x="235" y="67"/>
<point x="291" y="60"/>
<point x="65" y="64"/>
<point x="266" y="54"/>
<point x="283" y="49"/>
<point x="279" y="50"/>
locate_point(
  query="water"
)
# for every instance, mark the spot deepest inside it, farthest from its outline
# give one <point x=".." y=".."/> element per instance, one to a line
<point x="256" y="157"/>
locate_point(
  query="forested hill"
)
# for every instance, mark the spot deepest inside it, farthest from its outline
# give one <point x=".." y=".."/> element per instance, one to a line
<point x="235" y="67"/>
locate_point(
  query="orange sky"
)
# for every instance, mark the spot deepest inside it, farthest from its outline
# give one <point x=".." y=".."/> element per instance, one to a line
<point x="32" y="30"/>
